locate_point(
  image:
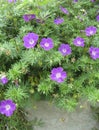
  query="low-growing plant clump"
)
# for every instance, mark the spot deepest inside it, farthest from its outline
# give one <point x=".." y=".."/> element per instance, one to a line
<point x="48" y="49"/>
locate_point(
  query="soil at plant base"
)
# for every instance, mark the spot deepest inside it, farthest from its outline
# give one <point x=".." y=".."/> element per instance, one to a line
<point x="56" y="119"/>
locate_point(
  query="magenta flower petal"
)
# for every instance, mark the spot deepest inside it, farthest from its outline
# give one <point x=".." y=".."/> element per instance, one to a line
<point x="64" y="10"/>
<point x="92" y="0"/>
<point x="94" y="52"/>
<point x="58" y="74"/>
<point x="78" y="41"/>
<point x="4" y="79"/>
<point x="91" y="30"/>
<point x="64" y="49"/>
<point x="28" y="17"/>
<point x="30" y="40"/>
<point x="97" y="18"/>
<point x="75" y="1"/>
<point x="58" y="21"/>
<point x="55" y="70"/>
<point x="7" y="107"/>
<point x="10" y="1"/>
<point x="47" y="43"/>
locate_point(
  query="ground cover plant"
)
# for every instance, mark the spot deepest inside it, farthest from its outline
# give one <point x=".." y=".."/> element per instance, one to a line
<point x="48" y="49"/>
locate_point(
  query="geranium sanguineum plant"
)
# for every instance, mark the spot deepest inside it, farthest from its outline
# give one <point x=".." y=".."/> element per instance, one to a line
<point x="78" y="41"/>
<point x="75" y="1"/>
<point x="4" y="79"/>
<point x="47" y="48"/>
<point x="91" y="30"/>
<point x="58" y="74"/>
<point x="58" y="21"/>
<point x="65" y="49"/>
<point x="97" y="18"/>
<point x="29" y="17"/>
<point x="7" y="107"/>
<point x="47" y="43"/>
<point x="12" y="1"/>
<point x="94" y="52"/>
<point x="64" y="10"/>
<point x="30" y="40"/>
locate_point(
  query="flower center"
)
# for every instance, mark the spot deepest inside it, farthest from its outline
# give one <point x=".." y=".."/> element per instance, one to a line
<point x="3" y="77"/>
<point x="31" y="41"/>
<point x="8" y="107"/>
<point x="93" y="53"/>
<point x="91" y="32"/>
<point x="29" y="16"/>
<point x="58" y="75"/>
<point x="46" y="44"/>
<point x="64" y="50"/>
<point x="78" y="42"/>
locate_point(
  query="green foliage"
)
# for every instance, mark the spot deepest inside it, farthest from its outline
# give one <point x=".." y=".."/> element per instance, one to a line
<point x="17" y="94"/>
<point x="92" y="94"/>
<point x="17" y="70"/>
<point x="66" y="103"/>
<point x="28" y="70"/>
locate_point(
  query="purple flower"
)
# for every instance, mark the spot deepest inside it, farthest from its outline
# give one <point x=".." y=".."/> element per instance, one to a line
<point x="94" y="52"/>
<point x="78" y="41"/>
<point x="91" y="30"/>
<point x="30" y="40"/>
<point x="65" y="49"/>
<point x="75" y="1"/>
<point x="58" y="75"/>
<point x="47" y="43"/>
<point x="97" y="18"/>
<point x="7" y="107"/>
<point x="58" y="20"/>
<point x="64" y="10"/>
<point x="92" y="0"/>
<point x="4" y="79"/>
<point x="11" y="1"/>
<point x="28" y="17"/>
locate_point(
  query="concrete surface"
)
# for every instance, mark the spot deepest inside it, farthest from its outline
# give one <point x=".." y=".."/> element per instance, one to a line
<point x="56" y="119"/>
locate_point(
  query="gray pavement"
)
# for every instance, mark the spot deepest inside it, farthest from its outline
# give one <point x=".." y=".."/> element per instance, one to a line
<point x="56" y="119"/>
